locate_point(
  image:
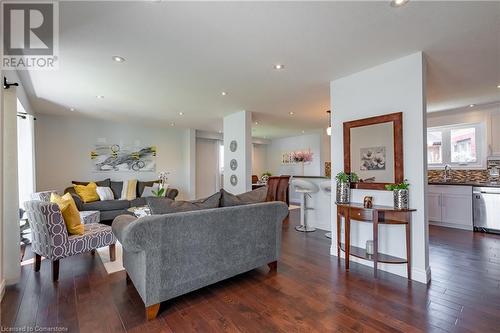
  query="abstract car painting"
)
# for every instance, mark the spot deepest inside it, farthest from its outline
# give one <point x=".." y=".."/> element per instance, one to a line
<point x="114" y="157"/>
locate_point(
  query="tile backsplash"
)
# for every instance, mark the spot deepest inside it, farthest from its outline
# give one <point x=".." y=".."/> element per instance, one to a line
<point x="459" y="175"/>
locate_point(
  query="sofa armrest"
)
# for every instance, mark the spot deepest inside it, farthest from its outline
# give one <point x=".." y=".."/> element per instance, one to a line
<point x="171" y="193"/>
<point x="76" y="197"/>
<point x="120" y="227"/>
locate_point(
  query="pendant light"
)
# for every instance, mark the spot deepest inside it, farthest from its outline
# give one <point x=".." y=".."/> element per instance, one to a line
<point x="329" y="128"/>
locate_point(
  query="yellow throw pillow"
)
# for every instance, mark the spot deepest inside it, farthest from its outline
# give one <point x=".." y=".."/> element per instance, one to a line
<point x="88" y="192"/>
<point x="69" y="212"/>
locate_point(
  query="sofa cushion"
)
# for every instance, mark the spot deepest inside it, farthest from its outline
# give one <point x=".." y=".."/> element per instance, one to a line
<point x="258" y="195"/>
<point x="141" y="185"/>
<point x="69" y="212"/>
<point x="88" y="192"/>
<point x="106" y="205"/>
<point x="138" y="202"/>
<point x="105" y="193"/>
<point x="116" y="187"/>
<point x="160" y="206"/>
<point x="102" y="183"/>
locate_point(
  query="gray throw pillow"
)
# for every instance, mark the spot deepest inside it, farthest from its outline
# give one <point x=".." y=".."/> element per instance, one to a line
<point x="141" y="185"/>
<point x="258" y="195"/>
<point x="160" y="206"/>
<point x="116" y="187"/>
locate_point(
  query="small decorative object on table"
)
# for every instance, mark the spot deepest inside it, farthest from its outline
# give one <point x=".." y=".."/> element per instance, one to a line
<point x="344" y="181"/>
<point x="401" y="194"/>
<point x="368" y="202"/>
<point x="140" y="211"/>
<point x="163" y="177"/>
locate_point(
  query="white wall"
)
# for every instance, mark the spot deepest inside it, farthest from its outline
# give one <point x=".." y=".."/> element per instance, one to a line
<point x="238" y="127"/>
<point x="489" y="115"/>
<point x="63" y="145"/>
<point x="259" y="159"/>
<point x="207" y="167"/>
<point x="397" y="86"/>
<point x="302" y="142"/>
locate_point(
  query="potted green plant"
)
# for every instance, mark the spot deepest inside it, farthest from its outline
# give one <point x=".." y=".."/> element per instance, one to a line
<point x="401" y="194"/>
<point x="344" y="181"/>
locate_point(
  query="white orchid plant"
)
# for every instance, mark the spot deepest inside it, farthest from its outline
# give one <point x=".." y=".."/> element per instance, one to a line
<point x="163" y="177"/>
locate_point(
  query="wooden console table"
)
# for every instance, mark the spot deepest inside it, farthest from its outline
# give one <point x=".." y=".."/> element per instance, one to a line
<point x="376" y="215"/>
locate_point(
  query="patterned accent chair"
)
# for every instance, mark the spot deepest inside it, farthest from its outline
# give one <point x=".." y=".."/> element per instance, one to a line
<point x="87" y="216"/>
<point x="51" y="240"/>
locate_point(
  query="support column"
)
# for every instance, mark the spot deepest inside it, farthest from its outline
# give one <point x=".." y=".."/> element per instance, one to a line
<point x="238" y="129"/>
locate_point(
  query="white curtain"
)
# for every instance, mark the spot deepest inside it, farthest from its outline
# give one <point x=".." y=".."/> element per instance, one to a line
<point x="25" y="155"/>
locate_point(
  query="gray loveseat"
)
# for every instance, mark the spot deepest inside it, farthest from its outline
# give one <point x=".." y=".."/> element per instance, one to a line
<point x="168" y="255"/>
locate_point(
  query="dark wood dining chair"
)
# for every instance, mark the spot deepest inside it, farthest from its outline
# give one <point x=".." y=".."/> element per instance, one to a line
<point x="278" y="189"/>
<point x="255" y="179"/>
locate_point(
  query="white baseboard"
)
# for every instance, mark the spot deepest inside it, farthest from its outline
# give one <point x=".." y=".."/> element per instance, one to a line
<point x="2" y="289"/>
<point x="419" y="275"/>
<point x="452" y="225"/>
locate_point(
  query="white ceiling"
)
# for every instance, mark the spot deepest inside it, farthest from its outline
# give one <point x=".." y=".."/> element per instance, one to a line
<point x="181" y="56"/>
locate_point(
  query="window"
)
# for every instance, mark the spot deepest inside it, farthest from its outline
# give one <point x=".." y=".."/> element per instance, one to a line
<point x="25" y="155"/>
<point x="458" y="145"/>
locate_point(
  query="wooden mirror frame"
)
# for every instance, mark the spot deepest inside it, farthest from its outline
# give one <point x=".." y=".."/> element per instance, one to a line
<point x="397" y="121"/>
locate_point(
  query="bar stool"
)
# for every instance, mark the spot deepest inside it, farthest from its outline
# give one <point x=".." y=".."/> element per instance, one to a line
<point x="326" y="187"/>
<point x="305" y="188"/>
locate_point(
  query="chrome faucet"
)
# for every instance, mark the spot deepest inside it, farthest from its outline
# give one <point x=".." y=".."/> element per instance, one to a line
<point x="447" y="173"/>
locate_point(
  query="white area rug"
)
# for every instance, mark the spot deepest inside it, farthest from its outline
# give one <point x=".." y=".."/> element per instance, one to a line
<point x="112" y="266"/>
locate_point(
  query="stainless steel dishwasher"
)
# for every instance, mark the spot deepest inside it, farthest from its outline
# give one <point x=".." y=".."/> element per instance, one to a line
<point x="486" y="209"/>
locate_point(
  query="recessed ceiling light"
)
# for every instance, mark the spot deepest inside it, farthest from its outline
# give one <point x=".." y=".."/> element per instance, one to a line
<point x="279" y="66"/>
<point x="498" y="86"/>
<point x="100" y="96"/>
<point x="223" y="93"/>
<point x="399" y="3"/>
<point x="472" y="105"/>
<point x="303" y="131"/>
<point x="118" y="58"/>
<point x="181" y="113"/>
<point x="291" y="113"/>
<point x="72" y="109"/>
<point x="172" y="124"/>
<point x="220" y="132"/>
<point x="256" y="123"/>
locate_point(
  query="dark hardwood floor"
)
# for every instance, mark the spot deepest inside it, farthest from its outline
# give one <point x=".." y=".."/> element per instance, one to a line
<point x="311" y="292"/>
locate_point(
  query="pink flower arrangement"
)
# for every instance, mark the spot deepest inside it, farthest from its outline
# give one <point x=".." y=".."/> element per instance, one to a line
<point x="302" y="156"/>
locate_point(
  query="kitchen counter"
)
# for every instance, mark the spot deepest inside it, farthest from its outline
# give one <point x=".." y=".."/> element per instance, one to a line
<point x="476" y="184"/>
<point x="321" y="202"/>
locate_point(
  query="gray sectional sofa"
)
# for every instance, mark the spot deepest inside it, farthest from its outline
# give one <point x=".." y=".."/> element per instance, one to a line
<point x="109" y="209"/>
<point x="169" y="255"/>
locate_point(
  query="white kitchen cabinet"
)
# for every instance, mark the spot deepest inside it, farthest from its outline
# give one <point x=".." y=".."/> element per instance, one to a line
<point x="434" y="206"/>
<point x="450" y="206"/>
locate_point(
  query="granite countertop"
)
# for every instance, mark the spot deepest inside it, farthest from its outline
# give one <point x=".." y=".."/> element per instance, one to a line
<point x="477" y="184"/>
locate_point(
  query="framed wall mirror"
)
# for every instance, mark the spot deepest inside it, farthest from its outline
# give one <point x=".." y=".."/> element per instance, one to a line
<point x="373" y="149"/>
